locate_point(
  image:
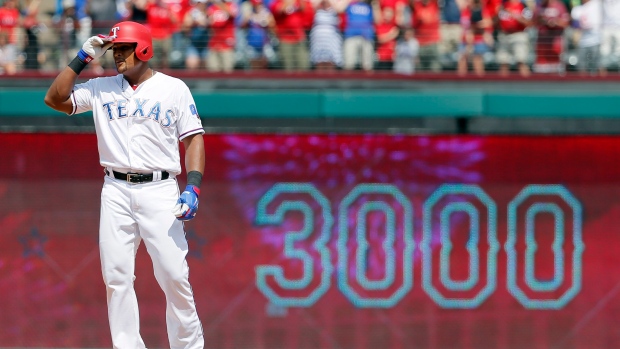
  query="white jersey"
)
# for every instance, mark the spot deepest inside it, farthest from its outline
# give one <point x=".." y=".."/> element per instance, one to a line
<point x="589" y="19"/>
<point x="139" y="131"/>
<point x="611" y="14"/>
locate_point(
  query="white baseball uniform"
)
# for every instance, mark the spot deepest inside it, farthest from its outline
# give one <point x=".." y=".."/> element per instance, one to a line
<point x="139" y="131"/>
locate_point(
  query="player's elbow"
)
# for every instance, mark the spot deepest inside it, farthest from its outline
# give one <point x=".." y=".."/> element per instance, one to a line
<point x="54" y="102"/>
<point x="49" y="101"/>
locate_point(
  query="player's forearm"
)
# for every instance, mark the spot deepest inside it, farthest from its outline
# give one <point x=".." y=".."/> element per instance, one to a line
<point x="61" y="88"/>
<point x="194" y="153"/>
<point x="187" y="204"/>
<point x="57" y="96"/>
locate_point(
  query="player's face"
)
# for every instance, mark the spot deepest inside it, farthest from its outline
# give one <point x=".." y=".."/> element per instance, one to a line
<point x="124" y="57"/>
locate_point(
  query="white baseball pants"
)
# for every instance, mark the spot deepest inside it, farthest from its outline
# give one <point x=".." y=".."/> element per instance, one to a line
<point x="131" y="213"/>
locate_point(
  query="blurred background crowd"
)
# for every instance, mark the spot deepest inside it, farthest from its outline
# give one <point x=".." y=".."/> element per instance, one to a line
<point x="403" y="36"/>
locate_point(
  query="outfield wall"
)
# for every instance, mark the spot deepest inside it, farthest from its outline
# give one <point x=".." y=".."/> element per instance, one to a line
<point x="375" y="104"/>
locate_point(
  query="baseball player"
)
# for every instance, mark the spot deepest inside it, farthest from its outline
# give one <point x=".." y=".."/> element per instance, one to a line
<point x="140" y="116"/>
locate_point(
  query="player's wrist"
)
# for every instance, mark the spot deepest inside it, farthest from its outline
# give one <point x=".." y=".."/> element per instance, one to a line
<point x="77" y="65"/>
<point x="194" y="178"/>
<point x="84" y="57"/>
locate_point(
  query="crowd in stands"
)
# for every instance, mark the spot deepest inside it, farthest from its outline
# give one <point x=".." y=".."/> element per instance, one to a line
<point x="403" y="36"/>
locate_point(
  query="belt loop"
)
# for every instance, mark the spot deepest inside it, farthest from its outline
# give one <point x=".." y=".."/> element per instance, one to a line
<point x="156" y="176"/>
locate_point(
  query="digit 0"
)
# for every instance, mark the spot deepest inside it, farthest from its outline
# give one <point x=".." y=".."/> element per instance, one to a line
<point x="534" y="293"/>
<point x="460" y="196"/>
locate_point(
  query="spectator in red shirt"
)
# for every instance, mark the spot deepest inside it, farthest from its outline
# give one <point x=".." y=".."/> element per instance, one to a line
<point x="10" y="20"/>
<point x="426" y="20"/>
<point x="493" y="6"/>
<point x="179" y="8"/>
<point x="477" y="37"/>
<point x="398" y="8"/>
<point x="308" y="14"/>
<point x="291" y="23"/>
<point x="551" y="18"/>
<point x="513" y="41"/>
<point x="221" y="16"/>
<point x="161" y="21"/>
<point x="387" y="30"/>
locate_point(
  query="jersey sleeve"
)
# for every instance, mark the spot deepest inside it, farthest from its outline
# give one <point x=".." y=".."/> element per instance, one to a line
<point x="189" y="122"/>
<point x="82" y="97"/>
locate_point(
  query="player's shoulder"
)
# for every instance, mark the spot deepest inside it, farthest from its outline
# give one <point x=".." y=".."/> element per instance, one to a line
<point x="102" y="81"/>
<point x="170" y="80"/>
<point x="109" y="78"/>
<point x="173" y="85"/>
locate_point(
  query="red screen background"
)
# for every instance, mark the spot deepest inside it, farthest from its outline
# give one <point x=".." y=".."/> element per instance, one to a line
<point x="52" y="294"/>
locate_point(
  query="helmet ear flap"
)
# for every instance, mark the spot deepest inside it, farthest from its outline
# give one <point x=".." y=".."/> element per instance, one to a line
<point x="142" y="52"/>
<point x="145" y="52"/>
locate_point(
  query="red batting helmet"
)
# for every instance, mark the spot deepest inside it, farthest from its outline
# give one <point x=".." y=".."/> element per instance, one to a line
<point x="132" y="32"/>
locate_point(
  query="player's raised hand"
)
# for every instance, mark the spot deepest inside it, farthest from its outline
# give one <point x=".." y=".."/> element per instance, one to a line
<point x="187" y="205"/>
<point x="95" y="47"/>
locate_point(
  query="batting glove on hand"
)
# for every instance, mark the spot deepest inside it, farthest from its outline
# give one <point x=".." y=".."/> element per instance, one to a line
<point x="187" y="205"/>
<point x="95" y="47"/>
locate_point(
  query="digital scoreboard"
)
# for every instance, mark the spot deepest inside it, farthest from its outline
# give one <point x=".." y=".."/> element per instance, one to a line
<point x="358" y="241"/>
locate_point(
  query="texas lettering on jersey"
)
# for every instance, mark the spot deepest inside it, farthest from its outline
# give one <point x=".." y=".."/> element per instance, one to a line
<point x="137" y="107"/>
<point x="139" y="130"/>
